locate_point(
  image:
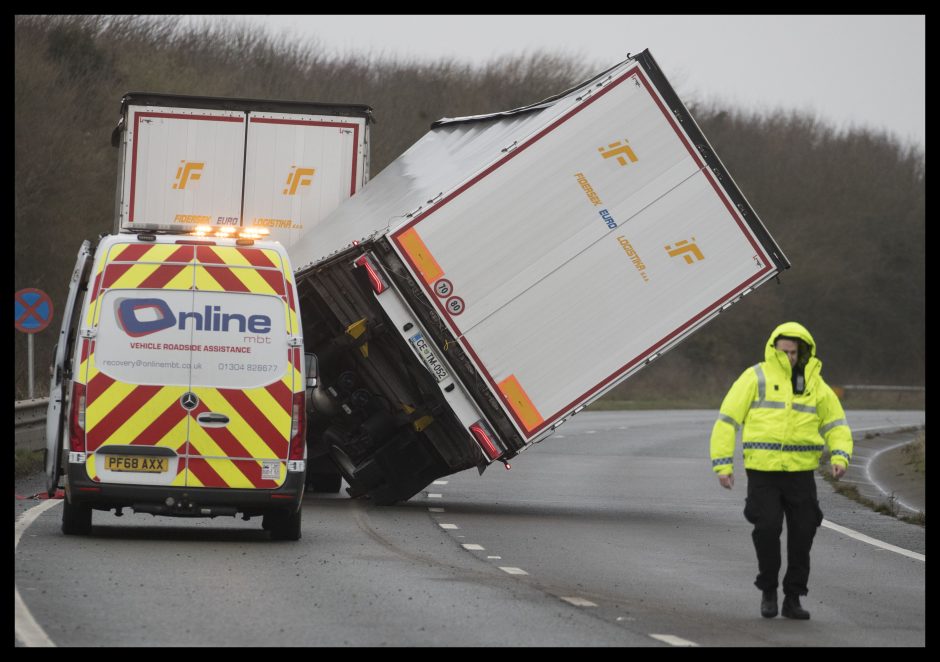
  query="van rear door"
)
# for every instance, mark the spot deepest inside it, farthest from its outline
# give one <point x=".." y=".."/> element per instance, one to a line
<point x="244" y="368"/>
<point x="135" y="363"/>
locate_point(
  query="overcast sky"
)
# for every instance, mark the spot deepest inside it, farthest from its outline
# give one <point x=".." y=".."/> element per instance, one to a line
<point x="849" y="70"/>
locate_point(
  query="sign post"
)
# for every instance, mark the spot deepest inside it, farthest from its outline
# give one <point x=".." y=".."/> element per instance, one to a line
<point x="33" y="312"/>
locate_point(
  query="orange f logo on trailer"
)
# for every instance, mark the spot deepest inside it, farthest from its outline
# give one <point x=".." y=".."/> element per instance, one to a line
<point x="188" y="170"/>
<point x="298" y="177"/>
<point x="619" y="150"/>
<point x="684" y="248"/>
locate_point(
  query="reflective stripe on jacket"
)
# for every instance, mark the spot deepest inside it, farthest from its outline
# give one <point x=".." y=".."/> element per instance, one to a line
<point x="781" y="431"/>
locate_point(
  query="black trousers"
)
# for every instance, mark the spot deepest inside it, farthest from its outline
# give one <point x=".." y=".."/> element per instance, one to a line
<point x="771" y="496"/>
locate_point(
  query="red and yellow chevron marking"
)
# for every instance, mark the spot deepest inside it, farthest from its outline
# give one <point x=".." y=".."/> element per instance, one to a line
<point x="118" y="413"/>
<point x="216" y="472"/>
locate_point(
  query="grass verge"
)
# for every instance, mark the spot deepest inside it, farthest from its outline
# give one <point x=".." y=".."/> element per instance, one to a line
<point x="27" y="462"/>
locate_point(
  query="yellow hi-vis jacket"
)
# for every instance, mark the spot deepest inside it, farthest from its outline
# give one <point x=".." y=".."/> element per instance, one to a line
<point x="782" y="431"/>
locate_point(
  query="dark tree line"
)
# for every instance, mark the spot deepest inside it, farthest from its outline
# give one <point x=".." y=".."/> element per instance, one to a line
<point x="848" y="208"/>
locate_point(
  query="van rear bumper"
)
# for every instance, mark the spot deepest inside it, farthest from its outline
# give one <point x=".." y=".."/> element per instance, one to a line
<point x="183" y="501"/>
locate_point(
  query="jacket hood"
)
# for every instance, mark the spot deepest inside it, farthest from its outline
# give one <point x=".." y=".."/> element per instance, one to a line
<point x="793" y="330"/>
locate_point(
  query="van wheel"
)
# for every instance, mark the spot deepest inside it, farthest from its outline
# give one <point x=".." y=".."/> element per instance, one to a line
<point x="76" y="518"/>
<point x="283" y="526"/>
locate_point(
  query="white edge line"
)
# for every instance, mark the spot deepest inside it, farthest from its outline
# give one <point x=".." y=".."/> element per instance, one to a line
<point x="873" y="541"/>
<point x="579" y="602"/>
<point x="27" y="629"/>
<point x="876" y="484"/>
<point x="674" y="640"/>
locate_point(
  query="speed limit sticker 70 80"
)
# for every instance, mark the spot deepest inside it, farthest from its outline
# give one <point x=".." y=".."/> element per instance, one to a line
<point x="455" y="305"/>
<point x="443" y="288"/>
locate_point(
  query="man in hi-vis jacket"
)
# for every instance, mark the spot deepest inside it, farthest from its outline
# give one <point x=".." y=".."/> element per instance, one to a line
<point x="788" y="414"/>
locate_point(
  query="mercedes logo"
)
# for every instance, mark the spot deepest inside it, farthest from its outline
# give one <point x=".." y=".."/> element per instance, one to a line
<point x="189" y="401"/>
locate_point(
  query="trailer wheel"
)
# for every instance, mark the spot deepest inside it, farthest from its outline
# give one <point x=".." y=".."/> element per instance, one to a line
<point x="282" y="525"/>
<point x="328" y="483"/>
<point x="76" y="518"/>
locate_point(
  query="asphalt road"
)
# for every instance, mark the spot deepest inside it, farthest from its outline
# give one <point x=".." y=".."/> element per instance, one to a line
<point x="620" y="528"/>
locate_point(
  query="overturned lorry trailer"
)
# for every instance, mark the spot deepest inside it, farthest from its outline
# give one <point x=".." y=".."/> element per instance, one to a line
<point x="509" y="269"/>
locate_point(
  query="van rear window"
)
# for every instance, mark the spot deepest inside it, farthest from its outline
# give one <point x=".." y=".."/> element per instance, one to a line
<point x="192" y="338"/>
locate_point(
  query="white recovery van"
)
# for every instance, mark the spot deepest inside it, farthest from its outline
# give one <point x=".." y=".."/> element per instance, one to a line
<point x="179" y="377"/>
<point x="509" y="269"/>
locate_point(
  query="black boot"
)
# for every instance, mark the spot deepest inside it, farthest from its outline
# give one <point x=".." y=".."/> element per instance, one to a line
<point x="768" y="603"/>
<point x="792" y="608"/>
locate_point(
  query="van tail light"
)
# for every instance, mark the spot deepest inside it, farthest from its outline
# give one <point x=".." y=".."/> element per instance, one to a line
<point x="77" y="418"/>
<point x="375" y="278"/>
<point x="297" y="426"/>
<point x="489" y="442"/>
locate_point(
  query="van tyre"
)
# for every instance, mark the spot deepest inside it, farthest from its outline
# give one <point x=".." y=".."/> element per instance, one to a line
<point x="283" y="526"/>
<point x="76" y="518"/>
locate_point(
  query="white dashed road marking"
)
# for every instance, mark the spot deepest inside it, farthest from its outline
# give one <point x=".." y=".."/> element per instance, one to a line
<point x="514" y="571"/>
<point x="500" y="558"/>
<point x="449" y="526"/>
<point x="580" y="602"/>
<point x="434" y="496"/>
<point x="672" y="640"/>
<point x="473" y="546"/>
<point x="440" y="482"/>
<point x="436" y="510"/>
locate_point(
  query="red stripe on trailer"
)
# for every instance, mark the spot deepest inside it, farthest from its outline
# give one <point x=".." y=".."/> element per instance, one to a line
<point x="355" y="152"/>
<point x="162" y="275"/>
<point x="277" y="440"/>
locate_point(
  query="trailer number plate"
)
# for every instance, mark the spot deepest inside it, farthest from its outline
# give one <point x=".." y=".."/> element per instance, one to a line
<point x="137" y="463"/>
<point x="424" y="351"/>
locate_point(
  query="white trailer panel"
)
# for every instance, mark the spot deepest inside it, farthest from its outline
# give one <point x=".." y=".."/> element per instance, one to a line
<point x="184" y="166"/>
<point x="589" y="247"/>
<point x="299" y="168"/>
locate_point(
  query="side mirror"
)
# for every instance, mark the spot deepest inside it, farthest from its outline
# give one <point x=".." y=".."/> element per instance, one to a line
<point x="312" y="369"/>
